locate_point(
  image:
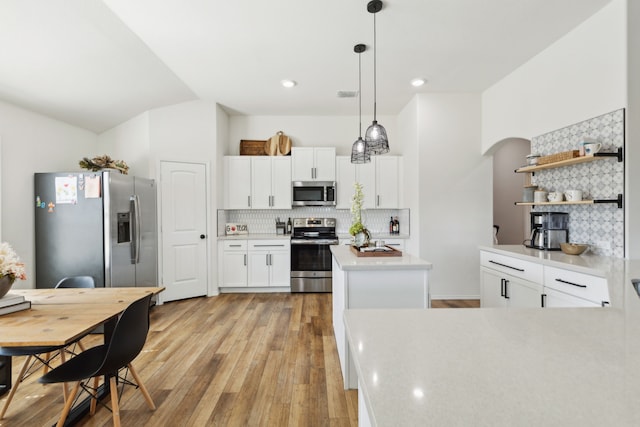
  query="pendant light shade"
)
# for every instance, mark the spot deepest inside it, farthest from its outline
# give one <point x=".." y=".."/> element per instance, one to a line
<point x="359" y="150"/>
<point x="376" y="134"/>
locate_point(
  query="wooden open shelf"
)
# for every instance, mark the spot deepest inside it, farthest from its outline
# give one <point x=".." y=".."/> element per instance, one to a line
<point x="573" y="161"/>
<point x="617" y="201"/>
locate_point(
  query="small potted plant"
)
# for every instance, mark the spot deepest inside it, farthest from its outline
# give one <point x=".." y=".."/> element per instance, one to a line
<point x="11" y="268"/>
<point x="359" y="232"/>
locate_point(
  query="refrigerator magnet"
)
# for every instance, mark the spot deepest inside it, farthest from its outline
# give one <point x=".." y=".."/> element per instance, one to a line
<point x="50" y="206"/>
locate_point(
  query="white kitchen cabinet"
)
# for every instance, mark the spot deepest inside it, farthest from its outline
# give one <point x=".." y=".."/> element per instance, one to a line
<point x="313" y="164"/>
<point x="271" y="182"/>
<point x="234" y="263"/>
<point x="509" y="282"/>
<point x="380" y="180"/>
<point x="269" y="263"/>
<point x="237" y="175"/>
<point x="257" y="182"/>
<point x="553" y="298"/>
<point x="503" y="290"/>
<point x="579" y="288"/>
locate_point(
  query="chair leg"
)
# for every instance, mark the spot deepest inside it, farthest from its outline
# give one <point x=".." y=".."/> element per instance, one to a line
<point x="94" y="398"/>
<point x="143" y="389"/>
<point x="68" y="404"/>
<point x="45" y="366"/>
<point x="65" y="390"/>
<point x="25" y="365"/>
<point x="115" y="409"/>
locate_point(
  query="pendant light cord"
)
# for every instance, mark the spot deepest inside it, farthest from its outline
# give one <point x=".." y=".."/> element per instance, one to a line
<point x="360" y="94"/>
<point x="375" y="97"/>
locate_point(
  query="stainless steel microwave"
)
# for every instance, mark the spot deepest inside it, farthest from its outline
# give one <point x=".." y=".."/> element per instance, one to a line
<point x="313" y="193"/>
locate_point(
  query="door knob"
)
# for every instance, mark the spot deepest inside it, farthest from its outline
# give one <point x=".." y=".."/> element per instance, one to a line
<point x="202" y="236"/>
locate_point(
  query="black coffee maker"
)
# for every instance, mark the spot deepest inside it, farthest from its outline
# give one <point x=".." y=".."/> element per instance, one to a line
<point x="548" y="230"/>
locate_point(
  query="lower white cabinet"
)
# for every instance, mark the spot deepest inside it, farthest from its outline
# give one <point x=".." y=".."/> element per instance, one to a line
<point x="503" y="290"/>
<point x="514" y="282"/>
<point x="269" y="263"/>
<point x="254" y="263"/>
<point x="234" y="263"/>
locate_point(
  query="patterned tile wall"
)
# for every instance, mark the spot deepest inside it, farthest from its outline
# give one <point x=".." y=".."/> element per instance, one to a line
<point x="596" y="224"/>
<point x="263" y="221"/>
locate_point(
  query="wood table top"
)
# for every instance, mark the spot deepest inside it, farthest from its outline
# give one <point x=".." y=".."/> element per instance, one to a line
<point x="59" y="316"/>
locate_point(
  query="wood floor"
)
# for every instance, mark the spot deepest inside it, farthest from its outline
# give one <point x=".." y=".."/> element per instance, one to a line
<point x="231" y="360"/>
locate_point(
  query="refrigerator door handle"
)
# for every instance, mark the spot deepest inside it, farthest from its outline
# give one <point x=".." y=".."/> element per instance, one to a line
<point x="135" y="230"/>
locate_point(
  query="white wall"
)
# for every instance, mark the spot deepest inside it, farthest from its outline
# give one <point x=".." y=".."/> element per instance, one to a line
<point x="580" y="76"/>
<point x="632" y="179"/>
<point x="455" y="197"/>
<point x="33" y="143"/>
<point x="130" y="142"/>
<point x="407" y="133"/>
<point x="306" y="131"/>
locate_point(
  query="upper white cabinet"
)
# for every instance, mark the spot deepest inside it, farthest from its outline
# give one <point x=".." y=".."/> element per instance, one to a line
<point x="257" y="182"/>
<point x="380" y="181"/>
<point x="271" y="182"/>
<point x="237" y="178"/>
<point x="313" y="163"/>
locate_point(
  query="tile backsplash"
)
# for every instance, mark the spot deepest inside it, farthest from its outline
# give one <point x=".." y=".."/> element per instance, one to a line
<point x="263" y="221"/>
<point x="599" y="225"/>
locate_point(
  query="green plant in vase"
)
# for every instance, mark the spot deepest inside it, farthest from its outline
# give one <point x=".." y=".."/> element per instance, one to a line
<point x="359" y="232"/>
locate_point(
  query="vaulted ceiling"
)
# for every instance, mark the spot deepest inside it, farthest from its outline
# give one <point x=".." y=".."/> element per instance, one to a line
<point x="95" y="64"/>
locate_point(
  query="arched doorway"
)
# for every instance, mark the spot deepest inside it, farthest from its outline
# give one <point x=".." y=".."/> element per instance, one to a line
<point x="513" y="221"/>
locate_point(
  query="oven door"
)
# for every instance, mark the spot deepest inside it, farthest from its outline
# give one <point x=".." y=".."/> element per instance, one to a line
<point x="311" y="266"/>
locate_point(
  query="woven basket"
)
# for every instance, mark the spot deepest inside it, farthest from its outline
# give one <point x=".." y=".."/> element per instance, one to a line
<point x="557" y="157"/>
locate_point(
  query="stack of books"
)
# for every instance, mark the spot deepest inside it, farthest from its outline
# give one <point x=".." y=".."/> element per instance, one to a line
<point x="11" y="303"/>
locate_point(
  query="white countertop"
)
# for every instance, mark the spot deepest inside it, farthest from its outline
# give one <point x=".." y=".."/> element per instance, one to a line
<point x="348" y="261"/>
<point x="505" y="367"/>
<point x="256" y="236"/>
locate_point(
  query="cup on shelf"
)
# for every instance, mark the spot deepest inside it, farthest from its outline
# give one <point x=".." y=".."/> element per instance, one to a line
<point x="539" y="196"/>
<point x="555" y="196"/>
<point x="527" y="193"/>
<point x="573" y="195"/>
<point x="591" y="147"/>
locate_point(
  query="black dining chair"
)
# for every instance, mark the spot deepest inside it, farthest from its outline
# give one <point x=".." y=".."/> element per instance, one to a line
<point x="127" y="340"/>
<point x="76" y="282"/>
<point x="42" y="356"/>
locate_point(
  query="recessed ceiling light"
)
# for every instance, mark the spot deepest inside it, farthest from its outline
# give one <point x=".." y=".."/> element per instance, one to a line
<point x="288" y="83"/>
<point x="417" y="82"/>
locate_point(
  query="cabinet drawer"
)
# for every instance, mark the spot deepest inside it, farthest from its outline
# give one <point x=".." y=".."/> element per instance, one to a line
<point x="234" y="245"/>
<point x="513" y="266"/>
<point x="269" y="245"/>
<point x="586" y="286"/>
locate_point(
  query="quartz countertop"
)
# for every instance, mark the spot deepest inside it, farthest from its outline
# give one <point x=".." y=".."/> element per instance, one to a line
<point x="348" y="261"/>
<point x="505" y="367"/>
<point x="257" y="236"/>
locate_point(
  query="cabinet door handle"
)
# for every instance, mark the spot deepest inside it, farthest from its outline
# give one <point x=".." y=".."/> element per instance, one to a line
<point x="501" y="287"/>
<point x="571" y="283"/>
<point x="543" y="300"/>
<point x="235" y="246"/>
<point x="505" y="265"/>
<point x="377" y="200"/>
<point x="245" y="260"/>
<point x="506" y="289"/>
<point x="248" y="201"/>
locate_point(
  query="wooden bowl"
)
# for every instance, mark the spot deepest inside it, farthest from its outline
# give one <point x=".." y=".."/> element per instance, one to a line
<point x="573" y="248"/>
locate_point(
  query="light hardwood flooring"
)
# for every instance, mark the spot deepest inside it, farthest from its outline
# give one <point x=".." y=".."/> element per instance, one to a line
<point x="231" y="360"/>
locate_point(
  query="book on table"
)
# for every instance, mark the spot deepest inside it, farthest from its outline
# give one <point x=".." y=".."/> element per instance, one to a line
<point x="11" y="299"/>
<point x="24" y="305"/>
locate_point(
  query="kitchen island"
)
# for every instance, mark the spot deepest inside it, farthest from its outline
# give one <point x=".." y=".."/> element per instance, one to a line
<point x="373" y="282"/>
<point x="501" y="367"/>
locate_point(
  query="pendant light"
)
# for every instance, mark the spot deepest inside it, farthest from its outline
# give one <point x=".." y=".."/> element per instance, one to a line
<point x="360" y="150"/>
<point x="376" y="135"/>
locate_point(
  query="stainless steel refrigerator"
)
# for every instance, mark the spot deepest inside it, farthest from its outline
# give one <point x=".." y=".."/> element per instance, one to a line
<point x="101" y="224"/>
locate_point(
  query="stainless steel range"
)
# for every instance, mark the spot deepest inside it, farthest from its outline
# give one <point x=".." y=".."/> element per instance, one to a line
<point x="310" y="254"/>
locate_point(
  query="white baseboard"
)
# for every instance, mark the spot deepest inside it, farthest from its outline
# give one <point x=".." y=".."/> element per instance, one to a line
<point x="437" y="297"/>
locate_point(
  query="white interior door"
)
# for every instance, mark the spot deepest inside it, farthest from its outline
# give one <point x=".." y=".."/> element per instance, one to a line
<point x="184" y="230"/>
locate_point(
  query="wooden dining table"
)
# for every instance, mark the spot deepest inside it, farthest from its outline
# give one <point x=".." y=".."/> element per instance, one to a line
<point x="60" y="316"/>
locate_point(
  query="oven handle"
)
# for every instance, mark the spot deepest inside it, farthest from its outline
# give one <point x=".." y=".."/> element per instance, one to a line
<point x="314" y="242"/>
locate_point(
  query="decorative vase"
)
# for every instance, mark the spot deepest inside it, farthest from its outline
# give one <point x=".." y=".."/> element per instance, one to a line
<point x="362" y="238"/>
<point x="5" y="285"/>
